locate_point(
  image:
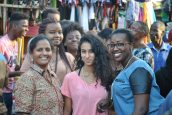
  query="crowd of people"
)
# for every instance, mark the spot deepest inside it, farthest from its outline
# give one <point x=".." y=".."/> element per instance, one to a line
<point x="69" y="71"/>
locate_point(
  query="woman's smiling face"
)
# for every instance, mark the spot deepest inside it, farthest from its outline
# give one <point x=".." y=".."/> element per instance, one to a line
<point x="54" y="33"/>
<point x="120" y="47"/>
<point x="42" y="53"/>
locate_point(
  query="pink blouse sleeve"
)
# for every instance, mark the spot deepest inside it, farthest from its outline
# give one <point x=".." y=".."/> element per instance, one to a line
<point x="65" y="90"/>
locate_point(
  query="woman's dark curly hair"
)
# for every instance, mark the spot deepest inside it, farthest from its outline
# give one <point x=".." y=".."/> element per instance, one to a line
<point x="101" y="64"/>
<point x="70" y="27"/>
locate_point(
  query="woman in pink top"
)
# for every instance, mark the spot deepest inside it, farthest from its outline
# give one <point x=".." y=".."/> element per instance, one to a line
<point x="89" y="84"/>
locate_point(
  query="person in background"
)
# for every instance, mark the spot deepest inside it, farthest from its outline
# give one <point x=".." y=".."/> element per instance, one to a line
<point x="134" y="90"/>
<point x="72" y="35"/>
<point x="89" y="83"/>
<point x="105" y="35"/>
<point x="164" y="76"/>
<point x="51" y="13"/>
<point x="65" y="24"/>
<point x="9" y="49"/>
<point x="159" y="48"/>
<point x="47" y="13"/>
<point x="141" y="50"/>
<point x="37" y="92"/>
<point x="61" y="62"/>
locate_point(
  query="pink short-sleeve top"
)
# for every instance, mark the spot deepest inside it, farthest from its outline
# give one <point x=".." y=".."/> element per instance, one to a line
<point x="84" y="96"/>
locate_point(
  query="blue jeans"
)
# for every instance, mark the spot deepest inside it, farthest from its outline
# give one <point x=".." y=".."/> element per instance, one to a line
<point x="8" y="102"/>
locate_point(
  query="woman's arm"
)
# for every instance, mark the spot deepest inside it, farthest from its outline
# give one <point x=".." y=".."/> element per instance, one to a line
<point x="67" y="106"/>
<point x="140" y="82"/>
<point x="21" y="113"/>
<point x="141" y="104"/>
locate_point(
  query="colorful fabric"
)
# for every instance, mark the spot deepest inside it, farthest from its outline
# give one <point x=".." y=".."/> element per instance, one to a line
<point x="148" y="13"/>
<point x="20" y="54"/>
<point x="9" y="50"/>
<point x="145" y="54"/>
<point x="122" y="94"/>
<point x="84" y="96"/>
<point x="37" y="95"/>
<point x="141" y="11"/>
<point x="160" y="56"/>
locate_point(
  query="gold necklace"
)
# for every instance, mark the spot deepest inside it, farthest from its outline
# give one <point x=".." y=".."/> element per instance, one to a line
<point x="128" y="62"/>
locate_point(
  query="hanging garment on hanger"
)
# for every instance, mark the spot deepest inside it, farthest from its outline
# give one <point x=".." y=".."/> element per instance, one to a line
<point x="72" y="15"/>
<point x="105" y="22"/>
<point x="85" y="17"/>
<point x="121" y="21"/>
<point x="147" y="13"/>
<point x="91" y="12"/>
<point x="76" y="14"/>
<point x="53" y="3"/>
<point x="79" y="8"/>
<point x="132" y="12"/>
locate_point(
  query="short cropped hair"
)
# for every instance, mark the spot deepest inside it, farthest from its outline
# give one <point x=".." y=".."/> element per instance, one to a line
<point x="105" y="33"/>
<point x="160" y="24"/>
<point x="44" y="24"/>
<point x="128" y="33"/>
<point x="18" y="16"/>
<point x="49" y="11"/>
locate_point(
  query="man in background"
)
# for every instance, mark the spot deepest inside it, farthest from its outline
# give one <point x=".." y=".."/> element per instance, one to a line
<point x="159" y="48"/>
<point x="9" y="48"/>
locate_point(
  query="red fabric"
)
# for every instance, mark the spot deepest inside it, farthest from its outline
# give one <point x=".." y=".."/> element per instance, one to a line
<point x="33" y="31"/>
<point x="170" y="36"/>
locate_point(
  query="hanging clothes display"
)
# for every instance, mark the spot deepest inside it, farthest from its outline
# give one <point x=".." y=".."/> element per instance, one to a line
<point x="80" y="17"/>
<point x="148" y="14"/>
<point x="121" y="20"/>
<point x="140" y="10"/>
<point x="85" y="17"/>
<point x="132" y="11"/>
<point x="72" y="15"/>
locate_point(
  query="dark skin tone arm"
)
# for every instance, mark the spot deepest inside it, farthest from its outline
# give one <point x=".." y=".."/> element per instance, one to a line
<point x="22" y="113"/>
<point x="15" y="73"/>
<point x="67" y="106"/>
<point x="141" y="104"/>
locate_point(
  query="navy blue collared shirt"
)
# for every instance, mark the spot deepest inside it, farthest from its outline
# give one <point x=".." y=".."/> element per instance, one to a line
<point x="160" y="56"/>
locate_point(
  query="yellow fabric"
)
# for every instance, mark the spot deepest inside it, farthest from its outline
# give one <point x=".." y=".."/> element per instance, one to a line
<point x="146" y="17"/>
<point x="20" y="50"/>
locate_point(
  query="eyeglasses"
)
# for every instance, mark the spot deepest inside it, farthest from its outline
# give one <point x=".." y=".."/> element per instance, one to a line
<point x="117" y="45"/>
